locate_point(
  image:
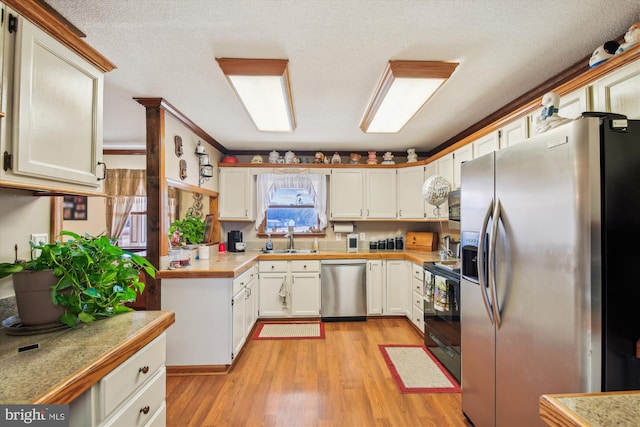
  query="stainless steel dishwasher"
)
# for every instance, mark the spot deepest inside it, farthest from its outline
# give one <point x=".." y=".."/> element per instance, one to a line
<point x="344" y="290"/>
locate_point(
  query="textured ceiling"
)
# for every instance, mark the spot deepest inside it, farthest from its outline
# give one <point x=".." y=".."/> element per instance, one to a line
<point x="337" y="52"/>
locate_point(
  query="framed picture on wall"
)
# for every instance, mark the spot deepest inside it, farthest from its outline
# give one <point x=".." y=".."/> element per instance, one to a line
<point x="210" y="230"/>
<point x="74" y="208"/>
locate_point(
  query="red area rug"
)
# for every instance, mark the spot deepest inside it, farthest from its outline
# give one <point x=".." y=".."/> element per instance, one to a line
<point x="416" y="370"/>
<point x="289" y="331"/>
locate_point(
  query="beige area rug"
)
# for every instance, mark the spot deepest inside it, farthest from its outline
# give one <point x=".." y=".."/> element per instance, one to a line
<point x="289" y="330"/>
<point x="416" y="370"/>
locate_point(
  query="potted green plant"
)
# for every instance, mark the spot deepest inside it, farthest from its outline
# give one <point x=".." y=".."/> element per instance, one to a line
<point x="186" y="231"/>
<point x="94" y="278"/>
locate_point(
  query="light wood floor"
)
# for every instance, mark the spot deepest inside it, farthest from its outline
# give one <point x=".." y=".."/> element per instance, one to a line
<point x="338" y="381"/>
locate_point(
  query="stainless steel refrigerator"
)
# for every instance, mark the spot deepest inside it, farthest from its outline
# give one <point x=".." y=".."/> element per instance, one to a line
<point x="550" y="232"/>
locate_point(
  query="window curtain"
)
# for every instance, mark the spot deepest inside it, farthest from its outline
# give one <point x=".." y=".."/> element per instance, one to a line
<point x="122" y="186"/>
<point x="268" y="183"/>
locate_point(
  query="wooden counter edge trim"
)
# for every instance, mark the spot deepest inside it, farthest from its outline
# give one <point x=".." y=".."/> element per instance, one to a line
<point x="227" y="274"/>
<point x="555" y="413"/>
<point x="72" y="387"/>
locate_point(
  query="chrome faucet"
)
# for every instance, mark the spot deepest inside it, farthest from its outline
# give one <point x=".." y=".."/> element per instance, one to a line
<point x="289" y="235"/>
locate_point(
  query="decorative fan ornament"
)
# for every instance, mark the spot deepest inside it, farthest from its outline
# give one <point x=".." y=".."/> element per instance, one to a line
<point x="435" y="190"/>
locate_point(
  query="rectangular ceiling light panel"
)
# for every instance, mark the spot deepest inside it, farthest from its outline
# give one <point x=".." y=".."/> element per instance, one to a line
<point x="405" y="88"/>
<point x="262" y="85"/>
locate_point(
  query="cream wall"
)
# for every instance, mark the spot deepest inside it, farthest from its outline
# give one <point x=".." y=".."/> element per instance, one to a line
<point x="20" y="215"/>
<point x="96" y="222"/>
<point x="373" y="231"/>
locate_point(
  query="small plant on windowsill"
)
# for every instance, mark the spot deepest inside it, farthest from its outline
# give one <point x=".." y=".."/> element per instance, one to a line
<point x="186" y="231"/>
<point x="84" y="278"/>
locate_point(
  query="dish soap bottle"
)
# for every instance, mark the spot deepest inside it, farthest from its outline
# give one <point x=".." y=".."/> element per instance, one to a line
<point x="315" y="244"/>
<point x="269" y="245"/>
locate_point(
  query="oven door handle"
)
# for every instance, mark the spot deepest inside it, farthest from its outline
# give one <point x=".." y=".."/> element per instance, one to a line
<point x="481" y="256"/>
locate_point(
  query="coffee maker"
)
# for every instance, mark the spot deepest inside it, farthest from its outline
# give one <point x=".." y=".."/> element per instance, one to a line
<point x="233" y="237"/>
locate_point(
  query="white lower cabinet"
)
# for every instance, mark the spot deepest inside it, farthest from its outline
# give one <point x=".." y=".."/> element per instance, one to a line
<point x="388" y="287"/>
<point x="239" y="309"/>
<point x="396" y="287"/>
<point x="375" y="286"/>
<point x="213" y="318"/>
<point x="133" y="394"/>
<point x="243" y="308"/>
<point x="416" y="309"/>
<point x="289" y="288"/>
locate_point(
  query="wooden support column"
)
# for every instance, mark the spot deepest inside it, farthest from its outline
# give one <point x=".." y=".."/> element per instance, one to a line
<point x="158" y="188"/>
<point x="157" y="196"/>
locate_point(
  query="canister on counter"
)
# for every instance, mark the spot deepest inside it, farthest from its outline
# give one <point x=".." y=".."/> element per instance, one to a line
<point x="390" y="244"/>
<point x="373" y="245"/>
<point x="382" y="244"/>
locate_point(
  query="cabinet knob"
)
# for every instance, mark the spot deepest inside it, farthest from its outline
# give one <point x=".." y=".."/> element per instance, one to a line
<point x="144" y="369"/>
<point x="145" y="410"/>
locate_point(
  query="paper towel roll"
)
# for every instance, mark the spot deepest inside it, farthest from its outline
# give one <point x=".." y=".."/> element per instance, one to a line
<point x="345" y="227"/>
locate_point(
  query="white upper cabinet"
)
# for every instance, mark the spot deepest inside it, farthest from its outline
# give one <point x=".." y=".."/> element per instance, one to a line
<point x="411" y="204"/>
<point x="53" y="102"/>
<point x="619" y="91"/>
<point x="461" y="155"/>
<point x="347" y="199"/>
<point x="485" y="145"/>
<point x="380" y="193"/>
<point x="514" y="132"/>
<point x="237" y="194"/>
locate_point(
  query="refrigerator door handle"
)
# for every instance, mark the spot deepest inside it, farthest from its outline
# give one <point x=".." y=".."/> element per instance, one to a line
<point x="493" y="238"/>
<point x="481" y="255"/>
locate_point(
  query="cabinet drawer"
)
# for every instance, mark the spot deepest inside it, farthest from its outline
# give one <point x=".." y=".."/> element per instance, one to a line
<point x="418" y="300"/>
<point x="122" y="381"/>
<point x="243" y="280"/>
<point x="273" y="266"/>
<point x="418" y="318"/>
<point x="159" y="419"/>
<point x="305" y="265"/>
<point x="141" y="408"/>
<point x="417" y="271"/>
<point x="418" y="286"/>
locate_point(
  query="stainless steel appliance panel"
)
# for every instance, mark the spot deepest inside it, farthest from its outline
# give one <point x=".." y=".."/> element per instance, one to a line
<point x="540" y="268"/>
<point x="477" y="329"/>
<point x="344" y="291"/>
<point x="537" y="228"/>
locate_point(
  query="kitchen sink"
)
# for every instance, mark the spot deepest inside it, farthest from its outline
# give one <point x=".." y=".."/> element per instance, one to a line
<point x="289" y="251"/>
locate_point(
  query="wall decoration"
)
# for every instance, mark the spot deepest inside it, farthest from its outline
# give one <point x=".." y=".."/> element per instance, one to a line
<point x="183" y="169"/>
<point x="177" y="141"/>
<point x="74" y="208"/>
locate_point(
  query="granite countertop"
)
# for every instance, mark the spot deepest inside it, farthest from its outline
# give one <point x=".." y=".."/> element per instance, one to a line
<point x="69" y="361"/>
<point x="232" y="264"/>
<point x="591" y="409"/>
